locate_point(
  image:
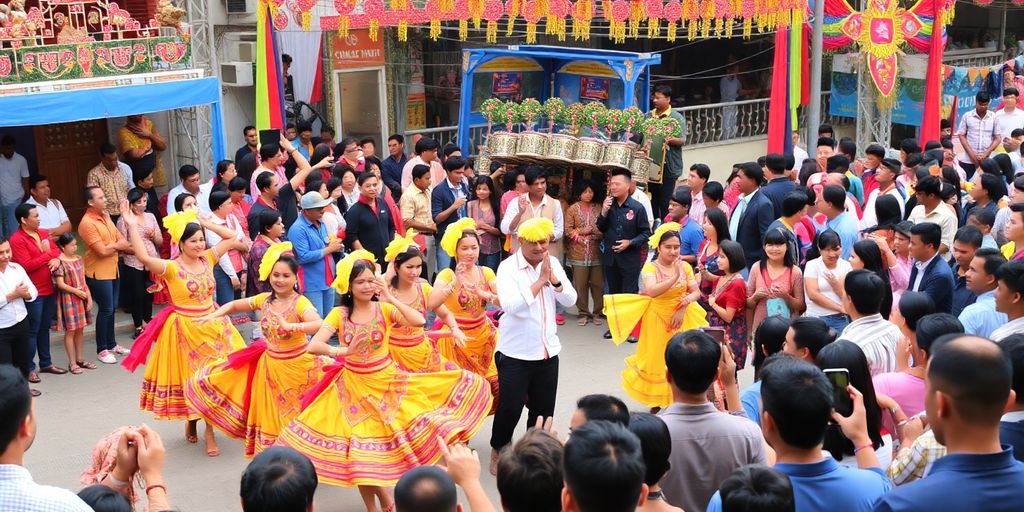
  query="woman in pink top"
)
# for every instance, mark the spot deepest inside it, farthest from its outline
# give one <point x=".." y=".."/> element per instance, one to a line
<point x="920" y="327"/>
<point x="515" y="186"/>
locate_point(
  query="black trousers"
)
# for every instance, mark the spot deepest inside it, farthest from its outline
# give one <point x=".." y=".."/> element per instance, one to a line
<point x="139" y="301"/>
<point x="520" y="383"/>
<point x="623" y="279"/>
<point x="14" y="345"/>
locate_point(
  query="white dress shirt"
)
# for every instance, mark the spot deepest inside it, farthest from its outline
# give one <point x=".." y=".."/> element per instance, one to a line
<point x="18" y="492"/>
<point x="51" y="215"/>
<point x="527" y="330"/>
<point x="202" y="198"/>
<point x="641" y="197"/>
<point x="978" y="131"/>
<point x="513" y="211"/>
<point x="14" y="311"/>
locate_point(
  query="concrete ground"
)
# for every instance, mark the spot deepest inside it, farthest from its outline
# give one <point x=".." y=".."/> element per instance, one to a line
<point x="77" y="410"/>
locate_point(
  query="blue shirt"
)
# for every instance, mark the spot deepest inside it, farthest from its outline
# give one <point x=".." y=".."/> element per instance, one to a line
<point x="750" y="399"/>
<point x="828" y="487"/>
<point x="391" y="171"/>
<point x="690" y="237"/>
<point x="989" y="243"/>
<point x="962" y="297"/>
<point x="991" y="482"/>
<point x="846" y="226"/>
<point x="308" y="243"/>
<point x="981" y="318"/>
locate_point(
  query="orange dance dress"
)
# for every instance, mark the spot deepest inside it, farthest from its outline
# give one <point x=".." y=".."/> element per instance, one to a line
<point x="254" y="393"/>
<point x="481" y="334"/>
<point x="181" y="346"/>
<point x="411" y="348"/>
<point x="368" y="422"/>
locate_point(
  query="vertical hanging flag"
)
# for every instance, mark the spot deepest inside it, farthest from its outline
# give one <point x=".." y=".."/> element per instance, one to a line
<point x="795" y="66"/>
<point x="778" y="106"/>
<point x="930" y="125"/>
<point x="269" y="79"/>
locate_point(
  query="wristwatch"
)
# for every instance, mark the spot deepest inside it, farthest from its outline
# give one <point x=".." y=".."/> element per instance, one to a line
<point x="557" y="284"/>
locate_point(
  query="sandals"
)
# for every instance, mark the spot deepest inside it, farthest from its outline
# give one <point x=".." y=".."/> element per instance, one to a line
<point x="86" y="364"/>
<point x="598" y="320"/>
<point x="138" y="331"/>
<point x="581" y="321"/>
<point x="191" y="434"/>
<point x="74" y="369"/>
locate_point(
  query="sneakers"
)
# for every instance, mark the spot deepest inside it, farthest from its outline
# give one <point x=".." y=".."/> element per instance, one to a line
<point x="121" y="351"/>
<point x="107" y="357"/>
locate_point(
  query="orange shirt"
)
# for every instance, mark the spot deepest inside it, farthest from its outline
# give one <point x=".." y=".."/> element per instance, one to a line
<point x="98" y="230"/>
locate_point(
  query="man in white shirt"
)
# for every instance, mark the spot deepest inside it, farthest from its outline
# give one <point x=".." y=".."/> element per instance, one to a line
<point x="1010" y="117"/>
<point x="799" y="154"/>
<point x="15" y="289"/>
<point x="977" y="134"/>
<point x="189" y="177"/>
<point x="885" y="175"/>
<point x="1009" y="299"/>
<point x="876" y="336"/>
<point x="931" y="208"/>
<point x="18" y="492"/>
<point x="52" y="216"/>
<point x="13" y="182"/>
<point x="426" y="154"/>
<point x="641" y="197"/>
<point x="529" y="283"/>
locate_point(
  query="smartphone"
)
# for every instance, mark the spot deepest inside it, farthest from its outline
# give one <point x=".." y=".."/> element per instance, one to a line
<point x="717" y="333"/>
<point x="840" y="379"/>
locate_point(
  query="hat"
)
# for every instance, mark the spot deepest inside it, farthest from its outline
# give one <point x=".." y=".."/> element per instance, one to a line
<point x="536" y="229"/>
<point x="313" y="199"/>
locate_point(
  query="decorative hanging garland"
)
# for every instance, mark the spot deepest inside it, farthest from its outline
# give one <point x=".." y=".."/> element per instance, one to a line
<point x="706" y="18"/>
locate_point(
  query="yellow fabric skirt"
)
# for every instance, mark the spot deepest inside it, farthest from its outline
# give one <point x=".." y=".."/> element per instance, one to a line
<point x="418" y="354"/>
<point x="374" y="422"/>
<point x="253" y="398"/>
<point x="643" y="379"/>
<point x="183" y="347"/>
<point x="478" y="354"/>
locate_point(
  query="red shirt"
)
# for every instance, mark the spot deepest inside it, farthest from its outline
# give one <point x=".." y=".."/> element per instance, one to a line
<point x="734" y="295"/>
<point x="26" y="251"/>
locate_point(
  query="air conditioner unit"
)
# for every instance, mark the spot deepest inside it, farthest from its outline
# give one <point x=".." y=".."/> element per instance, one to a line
<point x="240" y="6"/>
<point x="243" y="51"/>
<point x="237" y="74"/>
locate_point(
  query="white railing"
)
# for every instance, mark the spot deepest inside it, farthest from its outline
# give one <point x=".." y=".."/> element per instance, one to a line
<point x="705" y="124"/>
<point x="973" y="58"/>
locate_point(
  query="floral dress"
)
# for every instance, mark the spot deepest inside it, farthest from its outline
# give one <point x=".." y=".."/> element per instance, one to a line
<point x="181" y="346"/>
<point x="255" y="392"/>
<point x="71" y="312"/>
<point x="411" y="348"/>
<point x="733" y="294"/>
<point x="481" y="334"/>
<point x="370" y="422"/>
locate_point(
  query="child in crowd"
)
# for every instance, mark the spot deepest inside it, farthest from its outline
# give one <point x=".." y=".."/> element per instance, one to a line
<point x="73" y="302"/>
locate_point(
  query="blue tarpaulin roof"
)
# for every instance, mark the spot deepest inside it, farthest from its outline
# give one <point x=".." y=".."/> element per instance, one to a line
<point x="118" y="101"/>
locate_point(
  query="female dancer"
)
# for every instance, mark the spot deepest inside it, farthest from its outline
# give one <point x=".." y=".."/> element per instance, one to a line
<point x="256" y="391"/>
<point x="410" y="346"/>
<point x="368" y="422"/>
<point x="466" y="291"/>
<point x="181" y="347"/>
<point x="667" y="306"/>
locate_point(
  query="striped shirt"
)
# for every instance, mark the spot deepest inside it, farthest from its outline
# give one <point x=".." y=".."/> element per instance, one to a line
<point x="18" y="493"/>
<point x="877" y="337"/>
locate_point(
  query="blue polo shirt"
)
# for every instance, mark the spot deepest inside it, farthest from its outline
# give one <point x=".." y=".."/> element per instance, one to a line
<point x="750" y="399"/>
<point x="992" y="482"/>
<point x="981" y="318"/>
<point x="828" y="487"/>
<point x="690" y="237"/>
<point x="846" y="226"/>
<point x="308" y="243"/>
<point x="962" y="297"/>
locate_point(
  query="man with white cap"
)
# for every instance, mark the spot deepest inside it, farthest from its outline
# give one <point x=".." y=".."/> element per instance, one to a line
<point x="529" y="282"/>
<point x="313" y="247"/>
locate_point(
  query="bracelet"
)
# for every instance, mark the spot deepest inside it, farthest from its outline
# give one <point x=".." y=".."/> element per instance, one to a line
<point x="863" y="446"/>
<point x="115" y="482"/>
<point x="149" y="488"/>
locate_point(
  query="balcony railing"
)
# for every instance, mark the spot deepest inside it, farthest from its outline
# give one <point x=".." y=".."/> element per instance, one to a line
<point x="973" y="58"/>
<point x="716" y="123"/>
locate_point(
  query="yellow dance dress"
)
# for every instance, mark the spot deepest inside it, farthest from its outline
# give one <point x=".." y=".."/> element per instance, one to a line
<point x="481" y="334"/>
<point x="181" y="346"/>
<point x="368" y="422"/>
<point x="644" y="375"/>
<point x="410" y="346"/>
<point x="257" y="390"/>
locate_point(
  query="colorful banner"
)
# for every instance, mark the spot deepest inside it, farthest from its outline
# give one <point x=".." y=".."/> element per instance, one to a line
<point x="94" y="59"/>
<point x="269" y="79"/>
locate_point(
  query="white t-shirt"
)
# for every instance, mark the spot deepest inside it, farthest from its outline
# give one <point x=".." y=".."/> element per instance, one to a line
<point x="50" y="216"/>
<point x="1006" y="122"/>
<point x="12" y="171"/>
<point x="729" y="87"/>
<point x="816" y="268"/>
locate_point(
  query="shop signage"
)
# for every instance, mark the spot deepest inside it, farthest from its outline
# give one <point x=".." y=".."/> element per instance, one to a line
<point x="357" y="50"/>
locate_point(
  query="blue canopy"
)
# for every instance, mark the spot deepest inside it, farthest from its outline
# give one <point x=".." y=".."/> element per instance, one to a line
<point x="118" y="101"/>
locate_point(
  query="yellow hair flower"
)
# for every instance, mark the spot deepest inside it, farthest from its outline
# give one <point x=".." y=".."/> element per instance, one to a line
<point x="176" y="223"/>
<point x="536" y="229"/>
<point x="454" y="232"/>
<point x="270" y="258"/>
<point x="667" y="227"/>
<point x="399" y="245"/>
<point x="345" y="268"/>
